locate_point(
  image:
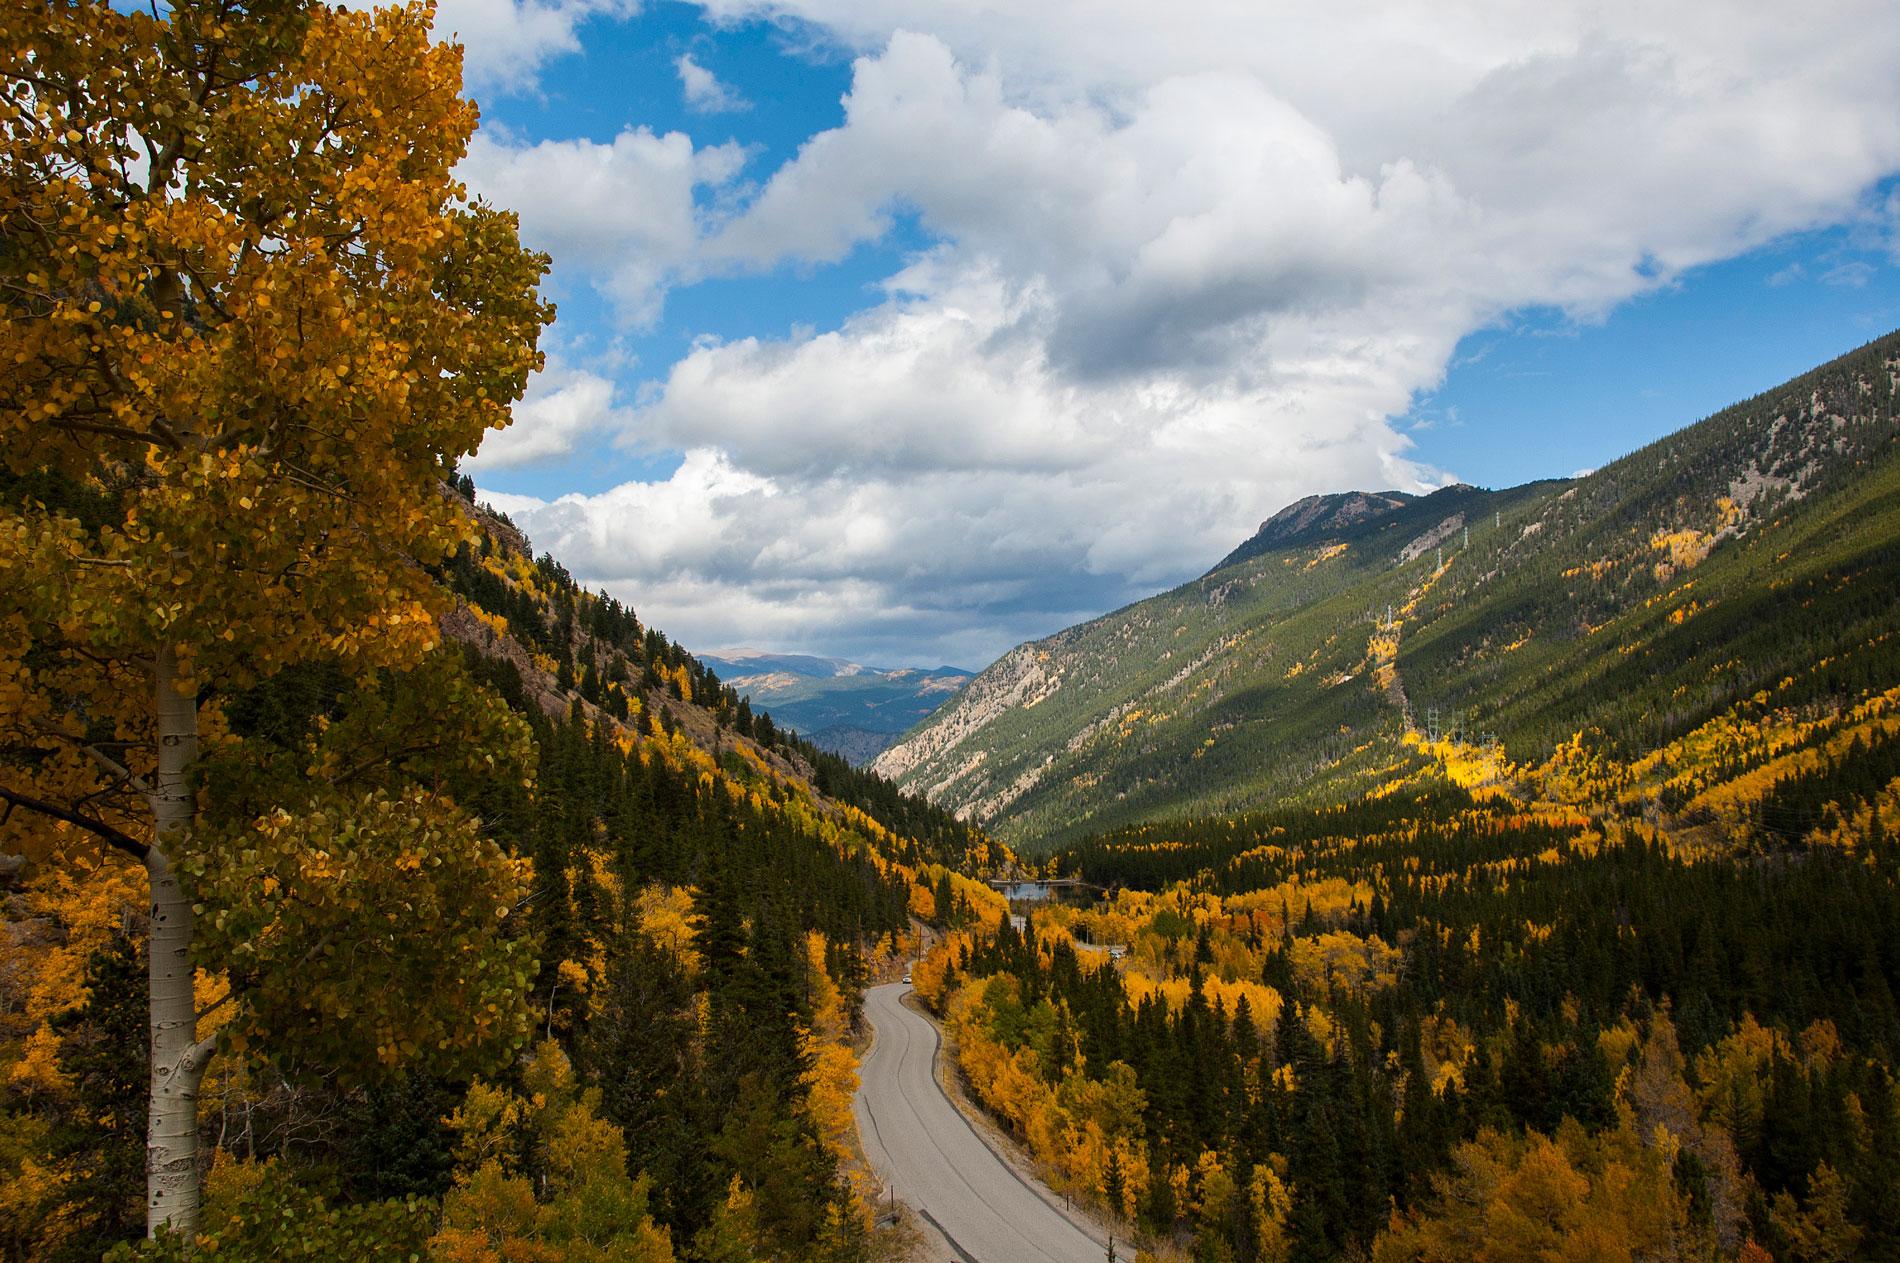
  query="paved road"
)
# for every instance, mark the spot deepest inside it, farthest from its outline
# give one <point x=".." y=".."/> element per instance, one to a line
<point x="920" y="1145"/>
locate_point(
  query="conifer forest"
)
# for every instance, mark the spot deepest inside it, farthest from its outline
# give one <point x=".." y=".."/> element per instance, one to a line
<point x="1447" y="874"/>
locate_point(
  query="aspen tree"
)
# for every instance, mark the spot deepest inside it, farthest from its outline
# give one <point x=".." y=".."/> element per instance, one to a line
<point x="251" y="321"/>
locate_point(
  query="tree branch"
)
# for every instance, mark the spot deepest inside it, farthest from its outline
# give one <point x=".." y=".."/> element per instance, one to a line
<point x="117" y="768"/>
<point x="111" y="431"/>
<point x="113" y="837"/>
<point x="125" y="775"/>
<point x="230" y="994"/>
<point x="389" y="758"/>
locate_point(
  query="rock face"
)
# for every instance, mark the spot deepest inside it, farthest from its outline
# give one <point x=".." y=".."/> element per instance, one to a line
<point x="1432" y="538"/>
<point x="1057" y="729"/>
<point x="1020" y="678"/>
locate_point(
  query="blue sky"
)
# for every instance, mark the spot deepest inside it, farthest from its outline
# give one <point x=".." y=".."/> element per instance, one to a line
<point x="1544" y="395"/>
<point x="906" y="340"/>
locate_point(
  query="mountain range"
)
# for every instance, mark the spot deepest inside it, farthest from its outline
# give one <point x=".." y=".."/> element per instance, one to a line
<point x="1743" y="564"/>
<point x="844" y="707"/>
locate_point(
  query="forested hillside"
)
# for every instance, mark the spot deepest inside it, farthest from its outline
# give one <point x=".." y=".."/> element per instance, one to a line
<point x="696" y="902"/>
<point x="1581" y="945"/>
<point x="1570" y="928"/>
<point x="1739" y="574"/>
<point x="367" y="888"/>
<point x="1430" y="1027"/>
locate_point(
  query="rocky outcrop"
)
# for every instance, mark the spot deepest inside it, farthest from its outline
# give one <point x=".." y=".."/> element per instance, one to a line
<point x="1432" y="538"/>
<point x="1315" y="518"/>
<point x="1022" y="677"/>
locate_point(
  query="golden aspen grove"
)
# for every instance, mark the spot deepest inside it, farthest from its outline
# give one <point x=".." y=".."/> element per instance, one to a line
<point x="248" y="325"/>
<point x="1450" y="874"/>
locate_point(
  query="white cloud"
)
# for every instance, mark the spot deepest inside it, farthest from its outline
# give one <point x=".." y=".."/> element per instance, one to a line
<point x="679" y="525"/>
<point x="1568" y="167"/>
<point x="924" y="483"/>
<point x="1186" y="269"/>
<point x="506" y="42"/>
<point x="624" y="214"/>
<point x="508" y="502"/>
<point x="704" y="92"/>
<point x="1853" y="274"/>
<point x="563" y="407"/>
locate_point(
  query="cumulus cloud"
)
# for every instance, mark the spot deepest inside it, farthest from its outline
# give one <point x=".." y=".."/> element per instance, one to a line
<point x="925" y="484"/>
<point x="508" y="502"/>
<point x="564" y="406"/>
<point x="506" y="42"/>
<point x="1182" y="272"/>
<point x="1574" y="169"/>
<point x="937" y="568"/>
<point x="704" y="92"/>
<point x="623" y="214"/>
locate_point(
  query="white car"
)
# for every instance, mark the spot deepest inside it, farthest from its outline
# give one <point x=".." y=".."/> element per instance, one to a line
<point x="907" y="977"/>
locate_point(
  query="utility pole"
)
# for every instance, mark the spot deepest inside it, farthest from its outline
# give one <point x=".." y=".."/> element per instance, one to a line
<point x="1431" y="723"/>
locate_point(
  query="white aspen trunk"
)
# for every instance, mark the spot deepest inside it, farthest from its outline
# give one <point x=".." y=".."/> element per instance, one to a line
<point x="178" y="1057"/>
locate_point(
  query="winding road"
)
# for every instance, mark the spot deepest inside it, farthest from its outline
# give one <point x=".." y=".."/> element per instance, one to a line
<point x="923" y="1148"/>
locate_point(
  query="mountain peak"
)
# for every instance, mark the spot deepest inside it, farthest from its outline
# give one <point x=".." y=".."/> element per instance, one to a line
<point x="1313" y="517"/>
<point x="1321" y="513"/>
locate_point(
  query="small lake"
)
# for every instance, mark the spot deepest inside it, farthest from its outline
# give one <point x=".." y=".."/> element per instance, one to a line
<point x="1042" y="891"/>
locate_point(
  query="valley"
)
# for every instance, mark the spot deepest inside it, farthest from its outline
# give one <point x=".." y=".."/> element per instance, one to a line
<point x="1538" y="840"/>
<point x="853" y="711"/>
<point x="1447" y="873"/>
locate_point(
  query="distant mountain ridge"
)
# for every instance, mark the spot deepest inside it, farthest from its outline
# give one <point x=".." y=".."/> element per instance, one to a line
<point x="744" y="661"/>
<point x="845" y="707"/>
<point x="1754" y="554"/>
